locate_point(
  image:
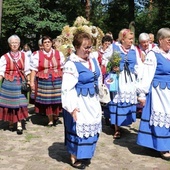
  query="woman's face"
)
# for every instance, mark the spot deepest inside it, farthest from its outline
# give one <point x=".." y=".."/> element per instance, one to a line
<point x="84" y="49"/>
<point x="144" y="44"/>
<point x="14" y="44"/>
<point x="105" y="45"/>
<point x="47" y="45"/>
<point x="165" y="44"/>
<point x="128" y="41"/>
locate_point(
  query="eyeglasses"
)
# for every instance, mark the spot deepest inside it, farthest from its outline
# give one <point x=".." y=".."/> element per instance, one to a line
<point x="14" y="43"/>
<point x="167" y="40"/>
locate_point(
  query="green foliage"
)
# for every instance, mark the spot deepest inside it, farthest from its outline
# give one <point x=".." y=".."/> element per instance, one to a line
<point x="114" y="62"/>
<point x="153" y="17"/>
<point x="30" y="19"/>
<point x="99" y="14"/>
<point x="163" y="13"/>
<point x="118" y="16"/>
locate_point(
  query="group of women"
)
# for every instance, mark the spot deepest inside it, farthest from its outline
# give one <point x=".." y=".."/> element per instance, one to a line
<point x="44" y="74"/>
<point x="145" y="81"/>
<point x="74" y="86"/>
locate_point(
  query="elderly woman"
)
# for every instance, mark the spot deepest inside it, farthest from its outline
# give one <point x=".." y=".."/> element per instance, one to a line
<point x="80" y="101"/>
<point x="46" y="76"/>
<point x="13" y="104"/>
<point x="144" y="46"/>
<point x="154" y="91"/>
<point x="122" y="108"/>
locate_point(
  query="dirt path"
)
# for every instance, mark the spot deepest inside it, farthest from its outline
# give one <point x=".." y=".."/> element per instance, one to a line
<point x="42" y="148"/>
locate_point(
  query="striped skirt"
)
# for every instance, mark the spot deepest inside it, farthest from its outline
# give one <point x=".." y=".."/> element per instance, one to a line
<point x="82" y="148"/>
<point x="154" y="137"/>
<point x="13" y="104"/>
<point x="48" y="96"/>
<point x="106" y="107"/>
<point x="122" y="114"/>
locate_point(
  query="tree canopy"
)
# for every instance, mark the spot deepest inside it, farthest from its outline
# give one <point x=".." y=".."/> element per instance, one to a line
<point x="31" y="19"/>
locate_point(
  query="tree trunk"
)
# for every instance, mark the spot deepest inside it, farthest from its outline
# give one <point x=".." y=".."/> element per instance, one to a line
<point x="87" y="9"/>
<point x="150" y="9"/>
<point x="131" y="10"/>
<point x="132" y="17"/>
<point x="0" y="15"/>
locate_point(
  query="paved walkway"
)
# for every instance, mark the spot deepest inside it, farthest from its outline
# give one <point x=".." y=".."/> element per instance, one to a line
<point x="42" y="148"/>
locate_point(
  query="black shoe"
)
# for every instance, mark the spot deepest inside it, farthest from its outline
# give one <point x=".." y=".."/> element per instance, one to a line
<point x="50" y="124"/>
<point x="19" y="131"/>
<point x="19" y="128"/>
<point x="11" y="129"/>
<point x="78" y="165"/>
<point x="56" y="121"/>
<point x="87" y="162"/>
<point x="165" y="156"/>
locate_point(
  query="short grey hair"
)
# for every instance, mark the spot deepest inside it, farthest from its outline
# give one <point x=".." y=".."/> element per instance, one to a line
<point x="40" y="41"/>
<point x="13" y="37"/>
<point x="163" y="33"/>
<point x="144" y="37"/>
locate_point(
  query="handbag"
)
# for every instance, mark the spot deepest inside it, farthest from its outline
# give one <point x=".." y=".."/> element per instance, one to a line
<point x="111" y="81"/>
<point x="101" y="90"/>
<point x="25" y="86"/>
<point x="104" y="94"/>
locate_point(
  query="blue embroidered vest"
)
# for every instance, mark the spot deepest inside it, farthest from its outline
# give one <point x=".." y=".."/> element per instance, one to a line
<point x="86" y="79"/>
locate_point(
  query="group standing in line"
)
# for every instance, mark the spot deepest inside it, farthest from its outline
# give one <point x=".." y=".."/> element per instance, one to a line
<point x="143" y="77"/>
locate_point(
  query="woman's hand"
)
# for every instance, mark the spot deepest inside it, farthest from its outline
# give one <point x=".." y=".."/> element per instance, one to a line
<point x="1" y="78"/>
<point x="142" y="102"/>
<point x="74" y="113"/>
<point x="116" y="68"/>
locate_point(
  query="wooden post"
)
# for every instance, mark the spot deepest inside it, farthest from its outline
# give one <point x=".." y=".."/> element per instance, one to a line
<point x="0" y="15"/>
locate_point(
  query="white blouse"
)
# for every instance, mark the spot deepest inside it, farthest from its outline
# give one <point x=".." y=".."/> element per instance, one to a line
<point x="34" y="61"/>
<point x="3" y="64"/>
<point x="89" y="118"/>
<point x="160" y="105"/>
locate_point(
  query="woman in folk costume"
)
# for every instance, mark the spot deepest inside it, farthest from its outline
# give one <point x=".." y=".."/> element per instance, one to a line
<point x="122" y="108"/>
<point x="46" y="76"/>
<point x="154" y="93"/>
<point x="80" y="102"/>
<point x="104" y="53"/>
<point x="13" y="104"/>
<point x="144" y="46"/>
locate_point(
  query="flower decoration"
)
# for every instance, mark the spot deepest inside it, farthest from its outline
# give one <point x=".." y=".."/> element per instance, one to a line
<point x="80" y="21"/>
<point x="67" y="49"/>
<point x="94" y="31"/>
<point x="114" y="62"/>
<point x="64" y="41"/>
